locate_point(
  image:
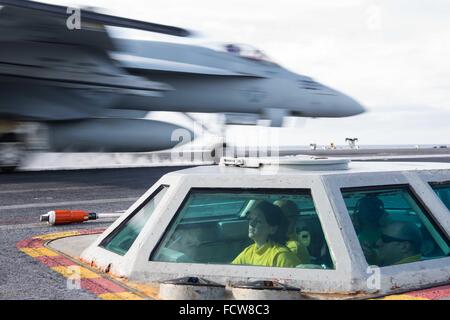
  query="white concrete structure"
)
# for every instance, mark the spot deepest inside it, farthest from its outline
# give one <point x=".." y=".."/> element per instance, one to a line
<point x="325" y="179"/>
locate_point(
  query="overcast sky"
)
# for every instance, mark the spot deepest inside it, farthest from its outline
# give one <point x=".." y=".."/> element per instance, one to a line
<point x="390" y="55"/>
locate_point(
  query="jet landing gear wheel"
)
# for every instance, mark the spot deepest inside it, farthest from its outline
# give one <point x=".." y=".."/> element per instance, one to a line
<point x="10" y="156"/>
<point x="10" y="169"/>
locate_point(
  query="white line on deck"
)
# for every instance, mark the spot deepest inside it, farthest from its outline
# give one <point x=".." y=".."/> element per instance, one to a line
<point x="22" y="226"/>
<point x="66" y="203"/>
<point x="37" y="189"/>
<point x="45" y="225"/>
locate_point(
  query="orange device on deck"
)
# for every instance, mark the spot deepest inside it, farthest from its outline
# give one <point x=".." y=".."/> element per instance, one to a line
<point x="59" y="217"/>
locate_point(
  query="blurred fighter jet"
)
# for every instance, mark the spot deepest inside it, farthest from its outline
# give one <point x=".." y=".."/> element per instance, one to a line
<point x="91" y="91"/>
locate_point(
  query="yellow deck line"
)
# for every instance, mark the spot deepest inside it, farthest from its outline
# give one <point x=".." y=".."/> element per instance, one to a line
<point x="120" y="296"/>
<point x="133" y="292"/>
<point x="39" y="252"/>
<point x="71" y="271"/>
<point x="137" y="291"/>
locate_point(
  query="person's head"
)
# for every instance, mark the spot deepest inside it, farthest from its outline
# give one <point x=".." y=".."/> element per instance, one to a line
<point x="368" y="211"/>
<point x="267" y="223"/>
<point x="399" y="240"/>
<point x="290" y="211"/>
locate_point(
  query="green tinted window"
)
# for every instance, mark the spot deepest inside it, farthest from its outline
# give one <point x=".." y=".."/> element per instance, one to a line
<point x="227" y="226"/>
<point x="392" y="226"/>
<point x="443" y="192"/>
<point x="121" y="239"/>
<point x="210" y="205"/>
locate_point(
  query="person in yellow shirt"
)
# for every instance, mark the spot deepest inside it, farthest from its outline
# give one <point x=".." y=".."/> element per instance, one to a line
<point x="267" y="228"/>
<point x="291" y="212"/>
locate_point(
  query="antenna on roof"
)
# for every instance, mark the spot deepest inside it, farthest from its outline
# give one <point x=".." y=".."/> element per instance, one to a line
<point x="299" y="162"/>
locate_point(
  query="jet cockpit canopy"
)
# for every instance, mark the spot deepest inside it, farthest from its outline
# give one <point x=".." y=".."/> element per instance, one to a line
<point x="246" y="51"/>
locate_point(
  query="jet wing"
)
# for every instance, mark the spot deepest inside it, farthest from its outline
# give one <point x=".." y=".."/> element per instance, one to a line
<point x="40" y="53"/>
<point x="37" y="45"/>
<point x="24" y="15"/>
<point x="19" y="24"/>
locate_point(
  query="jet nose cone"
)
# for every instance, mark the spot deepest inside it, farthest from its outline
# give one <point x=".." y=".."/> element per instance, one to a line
<point x="350" y="107"/>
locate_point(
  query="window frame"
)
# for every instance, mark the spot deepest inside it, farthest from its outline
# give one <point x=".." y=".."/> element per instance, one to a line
<point x="419" y="202"/>
<point x="446" y="183"/>
<point x="350" y="275"/>
<point x="338" y="279"/>
<point x="439" y="209"/>
<point x="404" y="277"/>
<point x="125" y="221"/>
<point x="112" y="261"/>
<point x="272" y="191"/>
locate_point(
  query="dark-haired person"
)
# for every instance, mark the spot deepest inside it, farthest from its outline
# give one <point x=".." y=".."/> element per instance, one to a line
<point x="267" y="228"/>
<point x="291" y="213"/>
<point x="368" y="213"/>
<point x="400" y="242"/>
